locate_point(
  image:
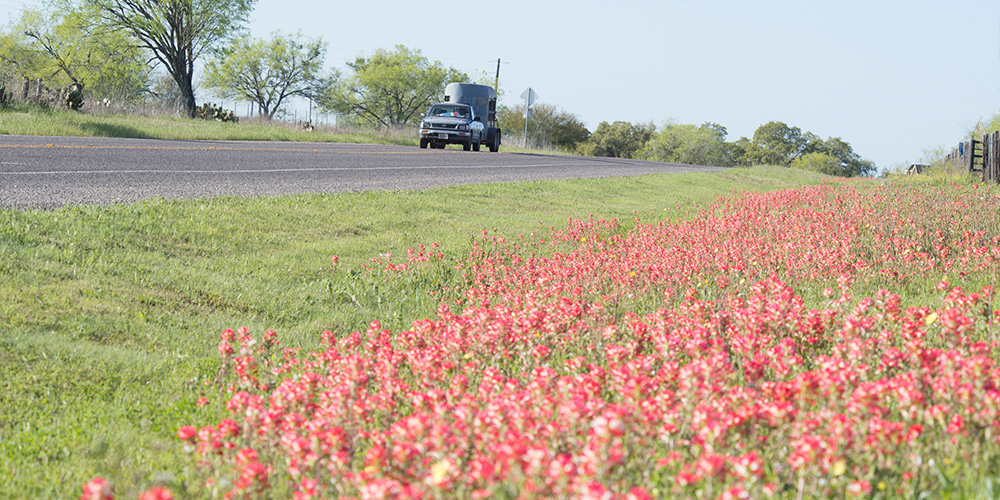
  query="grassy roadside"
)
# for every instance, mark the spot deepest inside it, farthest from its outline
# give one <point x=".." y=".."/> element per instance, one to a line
<point x="111" y="315"/>
<point x="57" y="122"/>
<point x="60" y="122"/>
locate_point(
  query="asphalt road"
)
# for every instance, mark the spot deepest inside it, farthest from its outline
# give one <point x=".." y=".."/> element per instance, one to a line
<point x="51" y="172"/>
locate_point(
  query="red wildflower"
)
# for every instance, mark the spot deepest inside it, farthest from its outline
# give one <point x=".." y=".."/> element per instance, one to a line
<point x="156" y="493"/>
<point x="97" y="489"/>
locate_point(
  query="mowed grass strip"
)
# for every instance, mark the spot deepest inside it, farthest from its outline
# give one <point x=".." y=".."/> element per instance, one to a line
<point x="57" y="122"/>
<point x="110" y="316"/>
<point x="31" y="120"/>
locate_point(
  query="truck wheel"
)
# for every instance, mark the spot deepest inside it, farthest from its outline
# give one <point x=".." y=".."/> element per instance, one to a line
<point x="495" y="145"/>
<point x="423" y="143"/>
<point x="467" y="146"/>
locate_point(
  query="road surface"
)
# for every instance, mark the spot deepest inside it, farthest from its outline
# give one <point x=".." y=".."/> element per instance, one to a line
<point x="51" y="172"/>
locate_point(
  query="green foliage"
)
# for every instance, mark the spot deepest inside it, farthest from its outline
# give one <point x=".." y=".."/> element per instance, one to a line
<point x="549" y="125"/>
<point x="5" y="97"/>
<point x="63" y="47"/>
<point x="177" y="32"/>
<point x="617" y="140"/>
<point x="389" y="89"/>
<point x="267" y="72"/>
<point x="688" y="144"/>
<point x="851" y="164"/>
<point x="823" y="163"/>
<point x="982" y="127"/>
<point x="18" y="56"/>
<point x="776" y="143"/>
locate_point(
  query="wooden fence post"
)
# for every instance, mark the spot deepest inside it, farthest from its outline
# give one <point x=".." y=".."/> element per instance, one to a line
<point x="987" y="154"/>
<point x="991" y="157"/>
<point x="988" y="157"/>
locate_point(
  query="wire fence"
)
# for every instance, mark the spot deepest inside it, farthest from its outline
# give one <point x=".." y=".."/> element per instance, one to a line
<point x="15" y="90"/>
<point x="36" y="92"/>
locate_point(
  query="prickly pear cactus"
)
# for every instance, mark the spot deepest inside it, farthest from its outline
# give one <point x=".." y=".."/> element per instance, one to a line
<point x="74" y="99"/>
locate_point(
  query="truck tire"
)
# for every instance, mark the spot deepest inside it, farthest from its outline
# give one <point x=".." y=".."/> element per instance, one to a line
<point x="467" y="145"/>
<point x="495" y="145"/>
<point x="423" y="143"/>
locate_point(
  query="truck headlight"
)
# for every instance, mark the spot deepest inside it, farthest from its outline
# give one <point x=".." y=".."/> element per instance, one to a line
<point x="463" y="127"/>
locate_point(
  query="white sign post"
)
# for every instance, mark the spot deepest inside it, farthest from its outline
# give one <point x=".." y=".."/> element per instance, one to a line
<point x="529" y="97"/>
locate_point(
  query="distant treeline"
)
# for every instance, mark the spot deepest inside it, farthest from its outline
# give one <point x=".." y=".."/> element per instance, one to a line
<point x="773" y="143"/>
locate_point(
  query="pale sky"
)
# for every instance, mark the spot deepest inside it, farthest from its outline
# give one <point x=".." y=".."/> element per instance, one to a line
<point x="892" y="78"/>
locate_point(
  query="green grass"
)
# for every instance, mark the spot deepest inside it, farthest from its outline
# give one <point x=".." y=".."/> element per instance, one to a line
<point x="58" y="122"/>
<point x="110" y="316"/>
<point x="30" y="120"/>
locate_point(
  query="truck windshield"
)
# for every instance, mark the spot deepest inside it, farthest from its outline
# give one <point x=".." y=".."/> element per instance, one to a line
<point x="456" y="111"/>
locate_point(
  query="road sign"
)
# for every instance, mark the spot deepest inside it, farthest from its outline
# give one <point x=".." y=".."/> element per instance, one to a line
<point x="529" y="96"/>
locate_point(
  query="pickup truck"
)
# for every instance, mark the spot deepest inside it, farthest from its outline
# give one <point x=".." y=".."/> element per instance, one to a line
<point x="468" y="116"/>
<point x="451" y="123"/>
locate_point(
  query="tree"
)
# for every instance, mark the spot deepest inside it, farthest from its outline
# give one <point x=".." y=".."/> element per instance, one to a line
<point x="79" y="52"/>
<point x="165" y="92"/>
<point x="851" y="164"/>
<point x="549" y="124"/>
<point x="388" y="89"/>
<point x="774" y="143"/>
<point x="267" y="72"/>
<point x="19" y="57"/>
<point x="617" y="140"/>
<point x="818" y="162"/>
<point x="177" y="32"/>
<point x="688" y="144"/>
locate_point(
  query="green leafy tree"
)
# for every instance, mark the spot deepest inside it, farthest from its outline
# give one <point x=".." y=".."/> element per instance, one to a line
<point x="549" y="124"/>
<point x="80" y="52"/>
<point x="19" y="57"/>
<point x="823" y="163"/>
<point x="617" y="140"/>
<point x="851" y="164"/>
<point x="389" y="89"/>
<point x="774" y="143"/>
<point x="267" y="72"/>
<point x="688" y="144"/>
<point x="176" y="32"/>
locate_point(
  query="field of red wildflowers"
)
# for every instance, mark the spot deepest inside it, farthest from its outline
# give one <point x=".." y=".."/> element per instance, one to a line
<point x="828" y="342"/>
